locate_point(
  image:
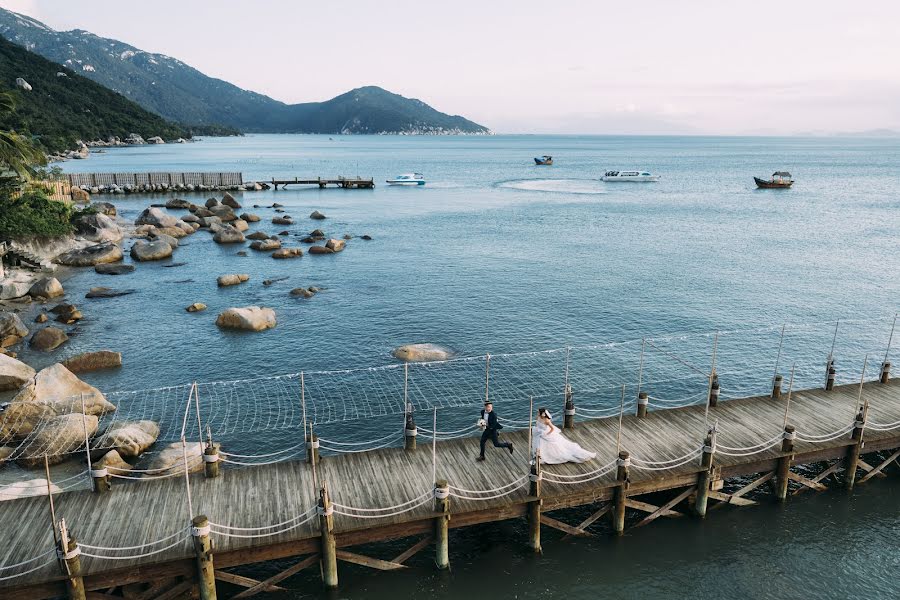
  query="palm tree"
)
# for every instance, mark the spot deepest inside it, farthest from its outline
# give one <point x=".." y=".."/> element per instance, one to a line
<point x="17" y="153"/>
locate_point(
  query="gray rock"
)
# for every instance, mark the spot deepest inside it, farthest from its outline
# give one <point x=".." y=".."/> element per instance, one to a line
<point x="93" y="361"/>
<point x="228" y="235"/>
<point x="46" y="287"/>
<point x="106" y="252"/>
<point x="266" y="245"/>
<point x="114" y="269"/>
<point x="228" y="200"/>
<point x="258" y="235"/>
<point x="156" y="217"/>
<point x="146" y="251"/>
<point x="105" y="292"/>
<point x="320" y="250"/>
<point x="316" y="215"/>
<point x="232" y="279"/>
<point x="48" y="339"/>
<point x="178" y="203"/>
<point x="335" y="245"/>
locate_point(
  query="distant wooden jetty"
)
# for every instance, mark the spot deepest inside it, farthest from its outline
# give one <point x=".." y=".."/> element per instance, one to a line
<point x="177" y="534"/>
<point x="347" y="183"/>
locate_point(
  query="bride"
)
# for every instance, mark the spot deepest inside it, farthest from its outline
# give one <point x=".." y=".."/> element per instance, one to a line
<point x="555" y="448"/>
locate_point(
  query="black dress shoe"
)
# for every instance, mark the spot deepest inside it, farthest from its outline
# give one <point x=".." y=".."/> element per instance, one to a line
<point x="480" y="459"/>
<point x="510" y="447"/>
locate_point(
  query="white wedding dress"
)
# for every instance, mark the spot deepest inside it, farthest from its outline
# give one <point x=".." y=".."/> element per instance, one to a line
<point x="555" y="448"/>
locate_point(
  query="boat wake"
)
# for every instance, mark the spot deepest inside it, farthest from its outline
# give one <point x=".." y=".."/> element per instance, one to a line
<point x="563" y="186"/>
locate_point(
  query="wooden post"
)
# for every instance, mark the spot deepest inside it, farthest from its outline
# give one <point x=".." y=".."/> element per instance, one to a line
<point x="703" y="478"/>
<point x="643" y="402"/>
<point x="328" y="549"/>
<point x="101" y="480"/>
<point x="783" y="469"/>
<point x="885" y="372"/>
<point x="618" y="512"/>
<point x="410" y="431"/>
<point x="534" y="506"/>
<point x="776" y="387"/>
<point x="206" y="572"/>
<point x="569" y="416"/>
<point x="714" y="391"/>
<point x="852" y="460"/>
<point x="832" y="373"/>
<point x="312" y="449"/>
<point x="70" y="551"/>
<point x="442" y="524"/>
<point x="211" y="458"/>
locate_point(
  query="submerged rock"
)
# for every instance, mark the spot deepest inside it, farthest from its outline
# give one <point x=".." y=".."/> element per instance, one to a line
<point x="320" y="250"/>
<point x="114" y="269"/>
<point x="285" y="220"/>
<point x="249" y="318"/>
<point x="266" y="245"/>
<point x="258" y="235"/>
<point x="422" y="353"/>
<point x="250" y="217"/>
<point x="232" y="279"/>
<point x="316" y="215"/>
<point x="105" y="292"/>
<point x="288" y="253"/>
<point x="335" y="245"/>
<point x="196" y="307"/>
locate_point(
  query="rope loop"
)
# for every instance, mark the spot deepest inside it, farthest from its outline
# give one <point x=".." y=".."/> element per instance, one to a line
<point x="97" y="473"/>
<point x="535" y="477"/>
<point x="211" y="458"/>
<point x="789" y="435"/>
<point x="412" y="432"/>
<point x="623" y="462"/>
<point x="322" y="512"/>
<point x="441" y="493"/>
<point x="200" y="531"/>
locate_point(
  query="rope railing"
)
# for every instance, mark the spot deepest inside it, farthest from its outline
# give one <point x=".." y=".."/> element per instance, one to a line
<point x="31" y="570"/>
<point x="383" y="512"/>
<point x="579" y="478"/>
<point x="261" y="532"/>
<point x="489" y="494"/>
<point x="179" y="541"/>
<point x="180" y="532"/>
<point x="825" y="437"/>
<point x="674" y="463"/>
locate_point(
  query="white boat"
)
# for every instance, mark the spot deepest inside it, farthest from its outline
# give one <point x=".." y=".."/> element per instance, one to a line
<point x="629" y="176"/>
<point x="408" y="179"/>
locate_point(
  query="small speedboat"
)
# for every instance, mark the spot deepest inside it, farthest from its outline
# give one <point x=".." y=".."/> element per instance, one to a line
<point x="543" y="160"/>
<point x="408" y="179"/>
<point x="780" y="180"/>
<point x="638" y="176"/>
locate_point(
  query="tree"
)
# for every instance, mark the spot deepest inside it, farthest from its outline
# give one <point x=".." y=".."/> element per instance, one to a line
<point x="17" y="153"/>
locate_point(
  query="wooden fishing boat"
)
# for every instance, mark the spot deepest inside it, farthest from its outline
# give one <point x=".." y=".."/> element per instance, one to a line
<point x="543" y="160"/>
<point x="780" y="180"/>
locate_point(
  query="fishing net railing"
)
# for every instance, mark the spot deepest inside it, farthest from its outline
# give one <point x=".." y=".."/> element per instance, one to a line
<point x="267" y="419"/>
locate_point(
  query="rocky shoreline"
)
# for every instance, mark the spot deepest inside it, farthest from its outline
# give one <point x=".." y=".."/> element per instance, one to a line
<point x="82" y="151"/>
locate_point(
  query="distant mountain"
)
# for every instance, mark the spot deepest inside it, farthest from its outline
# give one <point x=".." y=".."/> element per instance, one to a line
<point x="179" y="92"/>
<point x="62" y="106"/>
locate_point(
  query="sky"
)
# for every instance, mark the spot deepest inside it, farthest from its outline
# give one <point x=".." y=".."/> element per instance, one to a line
<point x="652" y="67"/>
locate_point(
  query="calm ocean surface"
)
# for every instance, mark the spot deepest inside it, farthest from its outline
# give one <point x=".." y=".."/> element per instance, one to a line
<point x="496" y="255"/>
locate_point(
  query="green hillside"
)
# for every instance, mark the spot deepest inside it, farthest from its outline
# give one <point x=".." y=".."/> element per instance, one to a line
<point x="62" y="109"/>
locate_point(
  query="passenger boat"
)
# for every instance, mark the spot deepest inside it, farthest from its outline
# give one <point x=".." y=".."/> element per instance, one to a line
<point x="543" y="160"/>
<point x="780" y="180"/>
<point x="638" y="176"/>
<point x="407" y="179"/>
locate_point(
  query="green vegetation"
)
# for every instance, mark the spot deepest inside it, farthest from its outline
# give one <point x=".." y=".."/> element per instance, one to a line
<point x="34" y="215"/>
<point x="17" y="154"/>
<point x="61" y="109"/>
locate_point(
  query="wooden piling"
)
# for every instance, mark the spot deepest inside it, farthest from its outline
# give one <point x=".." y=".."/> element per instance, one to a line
<point x="783" y="469"/>
<point x="885" y="372"/>
<point x="618" y="512"/>
<point x="328" y="547"/>
<point x="442" y="524"/>
<point x="101" y="480"/>
<point x="643" y="402"/>
<point x="312" y="449"/>
<point x="703" y="477"/>
<point x="70" y="552"/>
<point x="714" y="391"/>
<point x="569" y="413"/>
<point x="852" y="460"/>
<point x="211" y="460"/>
<point x="776" y="387"/>
<point x="410" y="432"/>
<point x="534" y="505"/>
<point x="832" y="374"/>
<point x="206" y="573"/>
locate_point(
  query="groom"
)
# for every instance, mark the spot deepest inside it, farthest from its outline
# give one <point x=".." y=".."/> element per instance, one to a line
<point x="492" y="431"/>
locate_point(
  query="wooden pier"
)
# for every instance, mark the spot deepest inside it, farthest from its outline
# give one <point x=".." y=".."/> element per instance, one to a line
<point x="137" y="540"/>
<point x="347" y="183"/>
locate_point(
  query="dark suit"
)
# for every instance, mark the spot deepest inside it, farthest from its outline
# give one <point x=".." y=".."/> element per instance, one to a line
<point x="492" y="432"/>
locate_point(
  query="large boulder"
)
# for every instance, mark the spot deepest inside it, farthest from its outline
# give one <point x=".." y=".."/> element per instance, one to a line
<point x="129" y="438"/>
<point x="93" y="361"/>
<point x="165" y="237"/>
<point x="316" y="215"/>
<point x="228" y="200"/>
<point x="240" y="224"/>
<point x="12" y="329"/>
<point x="156" y="217"/>
<point x="114" y="269"/>
<point x="106" y="208"/>
<point x="46" y="287"/>
<point x="55" y="438"/>
<point x="98" y="228"/>
<point x="13" y="373"/>
<point x="266" y="245"/>
<point x="258" y="235"/>
<point x="288" y="253"/>
<point x="250" y="318"/>
<point x="67" y="313"/>
<point x="250" y="217"/>
<point x="113" y="460"/>
<point x="103" y="253"/>
<point x="80" y="196"/>
<point x="47" y="339"/>
<point x="320" y="250"/>
<point x="53" y="391"/>
<point x="177" y="203"/>
<point x="228" y="235"/>
<point x="422" y="353"/>
<point x="209" y="221"/>
<point x="226" y="213"/>
<point x="335" y="245"/>
<point x="155" y="250"/>
<point x="285" y="220"/>
<point x="232" y="279"/>
<point x="170" y="459"/>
